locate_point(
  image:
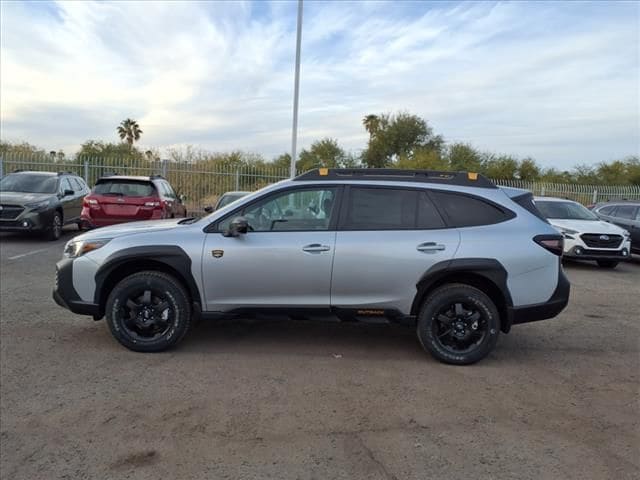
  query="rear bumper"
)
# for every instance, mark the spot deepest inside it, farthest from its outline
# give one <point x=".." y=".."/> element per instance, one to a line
<point x="546" y="310"/>
<point x="66" y="296"/>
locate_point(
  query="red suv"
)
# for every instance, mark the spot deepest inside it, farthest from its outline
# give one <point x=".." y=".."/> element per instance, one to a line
<point x="118" y="199"/>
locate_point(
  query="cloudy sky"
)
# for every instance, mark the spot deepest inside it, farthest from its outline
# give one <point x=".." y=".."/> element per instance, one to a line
<point x="558" y="81"/>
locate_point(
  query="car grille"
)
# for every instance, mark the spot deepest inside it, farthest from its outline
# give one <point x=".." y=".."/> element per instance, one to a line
<point x="599" y="240"/>
<point x="10" y="212"/>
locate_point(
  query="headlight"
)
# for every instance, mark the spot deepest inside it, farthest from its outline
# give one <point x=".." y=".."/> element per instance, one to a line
<point x="77" y="248"/>
<point x="38" y="205"/>
<point x="568" y="233"/>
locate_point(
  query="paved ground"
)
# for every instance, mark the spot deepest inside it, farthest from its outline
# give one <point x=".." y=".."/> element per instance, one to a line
<point x="557" y="399"/>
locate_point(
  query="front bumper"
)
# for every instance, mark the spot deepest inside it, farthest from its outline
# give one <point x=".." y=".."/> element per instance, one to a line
<point x="576" y="249"/>
<point x="28" y="221"/>
<point x="542" y="311"/>
<point x="66" y="296"/>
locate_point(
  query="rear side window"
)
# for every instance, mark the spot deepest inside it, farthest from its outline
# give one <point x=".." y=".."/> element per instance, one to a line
<point x="526" y="201"/>
<point x="381" y="209"/>
<point x="625" y="211"/>
<point x="78" y="185"/>
<point x="127" y="188"/>
<point x="467" y="211"/>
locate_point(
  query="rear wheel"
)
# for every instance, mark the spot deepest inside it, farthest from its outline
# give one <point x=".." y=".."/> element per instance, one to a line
<point x="148" y="311"/>
<point x="608" y="263"/>
<point x="458" y="324"/>
<point x="55" y="228"/>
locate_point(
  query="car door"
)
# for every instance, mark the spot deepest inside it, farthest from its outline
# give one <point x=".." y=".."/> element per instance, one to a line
<point x="388" y="237"/>
<point x="625" y="216"/>
<point x="70" y="207"/>
<point x="284" y="261"/>
<point x="80" y="191"/>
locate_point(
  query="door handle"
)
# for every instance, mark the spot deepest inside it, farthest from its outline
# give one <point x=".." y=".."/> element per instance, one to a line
<point x="430" y="247"/>
<point x="316" y="248"/>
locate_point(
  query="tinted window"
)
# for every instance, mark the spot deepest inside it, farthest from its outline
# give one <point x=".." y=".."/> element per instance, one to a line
<point x="23" y="182"/>
<point x="127" y="188"/>
<point x="625" y="211"/>
<point x="381" y="209"/>
<point x="466" y="211"/>
<point x="169" y="190"/>
<point x="298" y="210"/>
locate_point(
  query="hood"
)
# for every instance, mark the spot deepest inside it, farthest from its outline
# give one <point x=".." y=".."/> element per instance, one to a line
<point x="587" y="226"/>
<point x="131" y="228"/>
<point x="22" y="198"/>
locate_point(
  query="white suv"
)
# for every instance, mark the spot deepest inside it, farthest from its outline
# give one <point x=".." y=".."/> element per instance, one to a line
<point x="586" y="237"/>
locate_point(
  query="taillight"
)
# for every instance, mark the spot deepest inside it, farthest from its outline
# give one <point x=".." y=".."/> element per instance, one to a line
<point x="91" y="203"/>
<point x="152" y="204"/>
<point x="553" y="243"/>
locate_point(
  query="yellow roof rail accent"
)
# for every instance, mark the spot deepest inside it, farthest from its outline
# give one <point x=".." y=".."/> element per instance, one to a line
<point x="472" y="175"/>
<point x="323" y="171"/>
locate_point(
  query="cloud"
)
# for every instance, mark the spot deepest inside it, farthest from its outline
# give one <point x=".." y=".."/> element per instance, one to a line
<point x="557" y="81"/>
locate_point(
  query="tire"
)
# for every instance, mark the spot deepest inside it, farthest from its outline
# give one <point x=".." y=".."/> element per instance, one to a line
<point x="139" y="320"/>
<point x="54" y="231"/>
<point x="608" y="263"/>
<point x="458" y="324"/>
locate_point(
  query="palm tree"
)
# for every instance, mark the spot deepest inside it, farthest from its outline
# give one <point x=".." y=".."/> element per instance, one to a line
<point x="371" y="124"/>
<point x="129" y="130"/>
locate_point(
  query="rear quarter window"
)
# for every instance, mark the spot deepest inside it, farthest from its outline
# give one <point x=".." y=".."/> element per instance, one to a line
<point x="127" y="188"/>
<point x="463" y="210"/>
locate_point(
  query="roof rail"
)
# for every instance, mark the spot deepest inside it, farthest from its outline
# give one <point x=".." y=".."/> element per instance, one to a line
<point x="156" y="176"/>
<point x="467" y="179"/>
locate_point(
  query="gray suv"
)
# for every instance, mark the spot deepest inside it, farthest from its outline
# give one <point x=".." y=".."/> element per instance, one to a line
<point x="450" y="254"/>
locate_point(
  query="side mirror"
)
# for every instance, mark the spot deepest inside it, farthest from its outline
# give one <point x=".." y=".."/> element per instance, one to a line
<point x="68" y="193"/>
<point x="182" y="198"/>
<point x="208" y="209"/>
<point x="238" y="226"/>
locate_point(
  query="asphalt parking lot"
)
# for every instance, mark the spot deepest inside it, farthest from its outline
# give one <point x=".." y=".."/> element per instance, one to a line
<point x="288" y="400"/>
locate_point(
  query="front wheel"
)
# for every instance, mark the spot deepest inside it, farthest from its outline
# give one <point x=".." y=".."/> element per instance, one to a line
<point x="607" y="263"/>
<point x="148" y="311"/>
<point x="55" y="228"/>
<point x="458" y="324"/>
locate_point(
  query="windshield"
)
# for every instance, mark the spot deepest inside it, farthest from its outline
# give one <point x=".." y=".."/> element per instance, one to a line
<point x="29" y="183"/>
<point x="126" y="188"/>
<point x="227" y="198"/>
<point x="565" y="210"/>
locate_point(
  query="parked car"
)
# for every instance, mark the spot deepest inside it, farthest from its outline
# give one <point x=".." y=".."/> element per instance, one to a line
<point x="586" y="237"/>
<point x="118" y="199"/>
<point x="226" y="198"/>
<point x="449" y="253"/>
<point x="625" y="214"/>
<point x="40" y="202"/>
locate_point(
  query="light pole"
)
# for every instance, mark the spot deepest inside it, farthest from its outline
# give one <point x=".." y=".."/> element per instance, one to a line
<point x="296" y="91"/>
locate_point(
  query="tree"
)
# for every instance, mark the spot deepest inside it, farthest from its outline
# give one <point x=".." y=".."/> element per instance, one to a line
<point x="394" y="136"/>
<point x="463" y="157"/>
<point x="502" y="167"/>
<point x="322" y="153"/>
<point x="528" y="170"/>
<point x="371" y="124"/>
<point x="129" y="131"/>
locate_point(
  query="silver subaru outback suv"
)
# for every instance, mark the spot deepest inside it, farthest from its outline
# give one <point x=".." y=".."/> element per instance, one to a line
<point x="450" y="254"/>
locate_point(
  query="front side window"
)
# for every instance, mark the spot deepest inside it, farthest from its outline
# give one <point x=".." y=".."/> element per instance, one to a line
<point x="65" y="185"/>
<point x="467" y="211"/>
<point x="298" y="210"/>
<point x="606" y="210"/>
